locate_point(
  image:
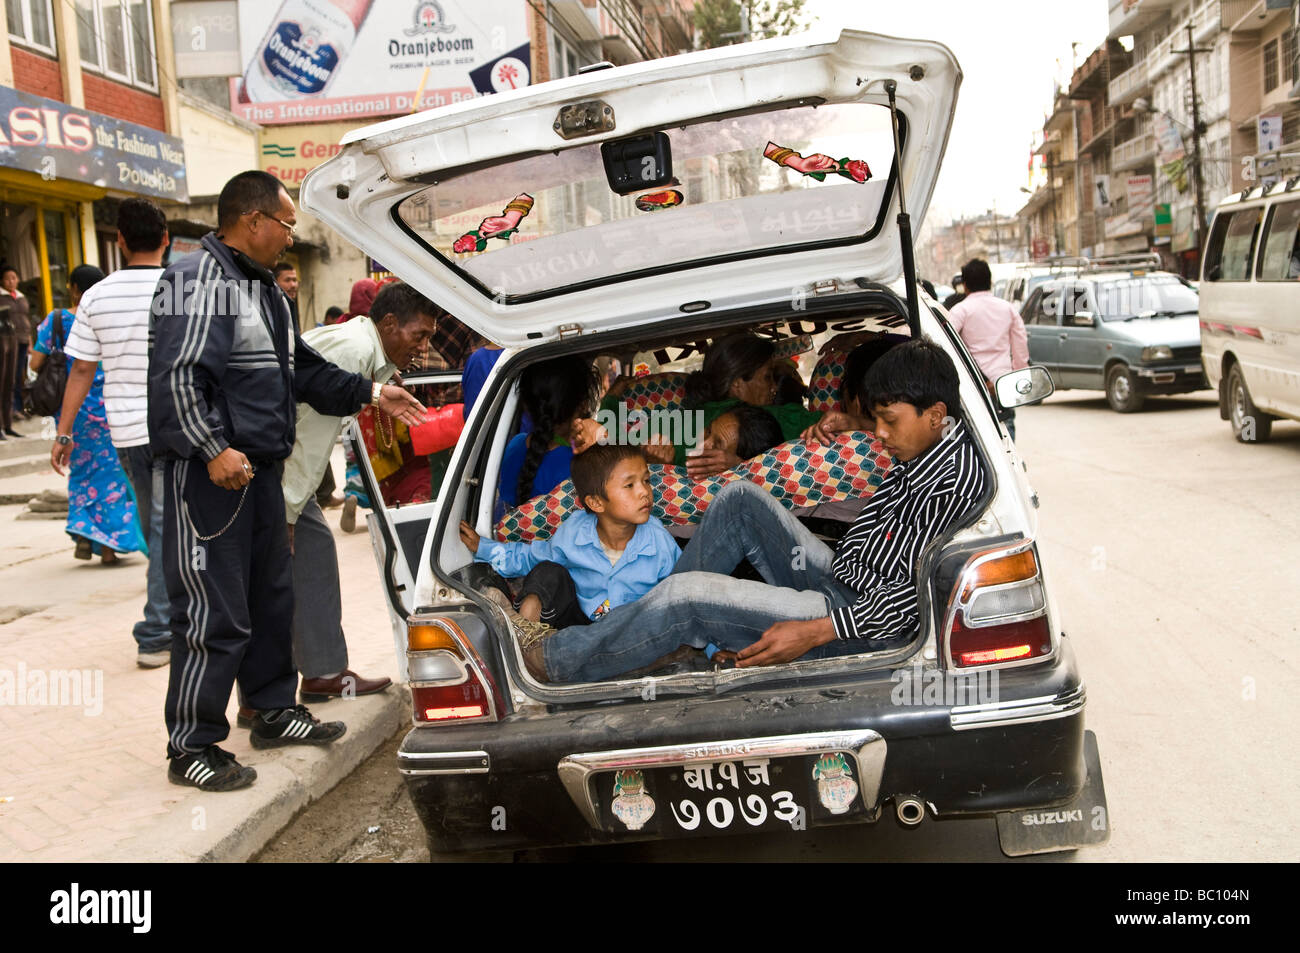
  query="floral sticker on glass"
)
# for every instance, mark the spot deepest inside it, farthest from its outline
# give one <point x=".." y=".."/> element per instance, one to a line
<point x="653" y="201"/>
<point x="496" y="226"/>
<point x="631" y="804"/>
<point x="817" y="165"/>
<point x="836" y="788"/>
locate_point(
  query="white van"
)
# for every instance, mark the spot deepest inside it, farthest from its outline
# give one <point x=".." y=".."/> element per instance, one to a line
<point x="1250" y="308"/>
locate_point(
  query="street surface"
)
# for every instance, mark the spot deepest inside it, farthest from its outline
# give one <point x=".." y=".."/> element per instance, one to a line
<point x="84" y="778"/>
<point x="1172" y="552"/>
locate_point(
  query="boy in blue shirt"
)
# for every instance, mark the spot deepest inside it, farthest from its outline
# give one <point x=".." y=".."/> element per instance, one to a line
<point x="607" y="554"/>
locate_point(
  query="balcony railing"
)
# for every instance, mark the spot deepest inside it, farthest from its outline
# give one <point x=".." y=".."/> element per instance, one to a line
<point x="1130" y="84"/>
<point x="1204" y="20"/>
<point x="1133" y="152"/>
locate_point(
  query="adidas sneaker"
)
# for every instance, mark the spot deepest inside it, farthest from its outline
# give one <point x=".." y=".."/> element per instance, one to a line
<point x="293" y="726"/>
<point x="212" y="769"/>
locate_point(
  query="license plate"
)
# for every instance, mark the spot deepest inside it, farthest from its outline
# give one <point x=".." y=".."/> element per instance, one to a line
<point x="717" y="797"/>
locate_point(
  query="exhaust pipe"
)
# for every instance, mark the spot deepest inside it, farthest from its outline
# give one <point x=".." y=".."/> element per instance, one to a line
<point x="910" y="810"/>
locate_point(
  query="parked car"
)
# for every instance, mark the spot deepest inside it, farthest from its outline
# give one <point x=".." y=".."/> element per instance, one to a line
<point x="1250" y="308"/>
<point x="1132" y="333"/>
<point x="714" y="237"/>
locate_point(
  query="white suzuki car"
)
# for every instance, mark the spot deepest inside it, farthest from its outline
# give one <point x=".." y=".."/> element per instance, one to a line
<point x="649" y="209"/>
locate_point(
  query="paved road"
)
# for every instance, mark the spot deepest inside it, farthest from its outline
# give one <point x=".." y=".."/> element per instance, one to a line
<point x="1172" y="553"/>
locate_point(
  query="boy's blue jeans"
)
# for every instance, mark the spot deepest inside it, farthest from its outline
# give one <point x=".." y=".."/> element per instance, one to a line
<point x="699" y="603"/>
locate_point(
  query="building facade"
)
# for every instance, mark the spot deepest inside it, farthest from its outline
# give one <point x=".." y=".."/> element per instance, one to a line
<point x="1049" y="220"/>
<point x="88" y="115"/>
<point x="1245" y="59"/>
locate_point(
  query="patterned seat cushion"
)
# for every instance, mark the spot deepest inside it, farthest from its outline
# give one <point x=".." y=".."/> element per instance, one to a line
<point x="824" y="385"/>
<point x="795" y="473"/>
<point x="656" y="391"/>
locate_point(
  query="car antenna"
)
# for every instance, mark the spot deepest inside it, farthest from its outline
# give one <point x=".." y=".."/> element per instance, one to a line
<point x="904" y="223"/>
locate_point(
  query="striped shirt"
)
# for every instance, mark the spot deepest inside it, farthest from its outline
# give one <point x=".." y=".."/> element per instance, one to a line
<point x="877" y="557"/>
<point x="112" y="327"/>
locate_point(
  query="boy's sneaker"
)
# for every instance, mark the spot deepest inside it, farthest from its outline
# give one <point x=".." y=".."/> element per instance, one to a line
<point x="293" y="726"/>
<point x="212" y="769"/>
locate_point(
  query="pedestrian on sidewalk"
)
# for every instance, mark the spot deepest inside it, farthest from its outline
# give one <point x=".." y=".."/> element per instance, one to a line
<point x="112" y="330"/>
<point x="101" y="512"/>
<point x="225" y="374"/>
<point x="15" y="336"/>
<point x="992" y="329"/>
<point x="403" y="321"/>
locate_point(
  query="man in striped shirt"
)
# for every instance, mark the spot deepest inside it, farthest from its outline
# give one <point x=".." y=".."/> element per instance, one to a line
<point x="815" y="602"/>
<point x="112" y="327"/>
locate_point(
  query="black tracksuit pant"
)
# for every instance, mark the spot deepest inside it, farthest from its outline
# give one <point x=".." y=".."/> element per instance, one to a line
<point x="231" y="601"/>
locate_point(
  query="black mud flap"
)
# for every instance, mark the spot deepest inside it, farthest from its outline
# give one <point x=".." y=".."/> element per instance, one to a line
<point x="1084" y="822"/>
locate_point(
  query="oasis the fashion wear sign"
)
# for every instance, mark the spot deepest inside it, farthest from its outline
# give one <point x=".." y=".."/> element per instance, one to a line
<point x="56" y="141"/>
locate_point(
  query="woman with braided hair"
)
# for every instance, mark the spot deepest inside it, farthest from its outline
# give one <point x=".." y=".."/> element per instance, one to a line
<point x="558" y="395"/>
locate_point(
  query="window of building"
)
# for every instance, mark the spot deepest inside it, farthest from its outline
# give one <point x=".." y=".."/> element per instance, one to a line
<point x="564" y="58"/>
<point x="116" y="38"/>
<point x="1271" y="79"/>
<point x="1288" y="55"/>
<point x="31" y="23"/>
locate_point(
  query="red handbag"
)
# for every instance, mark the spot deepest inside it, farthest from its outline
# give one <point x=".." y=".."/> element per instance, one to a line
<point x="440" y="430"/>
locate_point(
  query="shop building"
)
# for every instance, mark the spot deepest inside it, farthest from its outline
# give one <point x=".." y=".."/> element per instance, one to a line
<point x="87" y="117"/>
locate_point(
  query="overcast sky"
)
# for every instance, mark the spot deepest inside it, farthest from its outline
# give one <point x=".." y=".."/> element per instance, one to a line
<point x="1008" y="51"/>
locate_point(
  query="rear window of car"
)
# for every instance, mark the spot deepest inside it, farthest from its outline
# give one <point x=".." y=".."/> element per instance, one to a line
<point x="729" y="198"/>
<point x="1152" y="296"/>
<point x="1232" y="245"/>
<point x="1280" y="260"/>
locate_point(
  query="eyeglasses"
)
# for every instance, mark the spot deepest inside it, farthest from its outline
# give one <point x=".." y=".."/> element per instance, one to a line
<point x="289" y="228"/>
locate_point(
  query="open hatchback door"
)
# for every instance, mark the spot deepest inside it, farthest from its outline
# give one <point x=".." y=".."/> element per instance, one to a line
<point x="623" y="195"/>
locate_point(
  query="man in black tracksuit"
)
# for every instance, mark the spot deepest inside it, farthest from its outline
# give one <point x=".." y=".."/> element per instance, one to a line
<point x="226" y="371"/>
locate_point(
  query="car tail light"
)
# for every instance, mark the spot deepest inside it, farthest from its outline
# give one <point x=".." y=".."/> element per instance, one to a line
<point x="449" y="681"/>
<point x="998" y="611"/>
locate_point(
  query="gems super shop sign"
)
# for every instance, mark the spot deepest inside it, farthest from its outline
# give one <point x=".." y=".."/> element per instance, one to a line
<point x="342" y="60"/>
<point x="56" y="142"/>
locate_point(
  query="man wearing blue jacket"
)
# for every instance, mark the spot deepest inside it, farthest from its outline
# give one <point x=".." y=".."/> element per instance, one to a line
<point x="226" y="370"/>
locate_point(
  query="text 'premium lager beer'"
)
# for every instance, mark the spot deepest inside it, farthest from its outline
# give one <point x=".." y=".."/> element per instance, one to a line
<point x="303" y="49"/>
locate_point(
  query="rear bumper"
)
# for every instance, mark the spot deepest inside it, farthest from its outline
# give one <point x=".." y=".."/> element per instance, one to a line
<point x="528" y="781"/>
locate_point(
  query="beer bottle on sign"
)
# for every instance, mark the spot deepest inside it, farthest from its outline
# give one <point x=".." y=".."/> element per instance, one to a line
<point x="303" y="49"/>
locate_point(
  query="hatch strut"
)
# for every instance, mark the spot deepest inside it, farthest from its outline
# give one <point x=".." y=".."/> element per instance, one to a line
<point x="904" y="224"/>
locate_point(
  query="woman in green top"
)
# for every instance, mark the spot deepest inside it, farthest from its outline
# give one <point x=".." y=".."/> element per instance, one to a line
<point x="737" y="370"/>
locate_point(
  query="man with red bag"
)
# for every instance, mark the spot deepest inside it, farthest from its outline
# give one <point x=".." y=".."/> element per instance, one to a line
<point x="400" y="323"/>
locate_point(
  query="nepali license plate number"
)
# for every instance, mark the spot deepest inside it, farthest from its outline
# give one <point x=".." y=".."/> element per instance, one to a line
<point x="714" y="797"/>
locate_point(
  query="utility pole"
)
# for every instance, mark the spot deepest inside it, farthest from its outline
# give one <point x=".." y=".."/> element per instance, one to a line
<point x="1051" y="187"/>
<point x="1191" y="51"/>
<point x="997" y="234"/>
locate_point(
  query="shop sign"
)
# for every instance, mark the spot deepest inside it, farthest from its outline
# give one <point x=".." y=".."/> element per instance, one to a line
<point x="1184" y="236"/>
<point x="205" y="36"/>
<point x="330" y="60"/>
<point x="1140" y="195"/>
<point x="290" y="152"/>
<point x="56" y="141"/>
<point x="1164" y="220"/>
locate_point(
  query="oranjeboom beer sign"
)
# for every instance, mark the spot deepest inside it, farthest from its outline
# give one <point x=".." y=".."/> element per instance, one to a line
<point x="343" y="60"/>
<point x="57" y="141"/>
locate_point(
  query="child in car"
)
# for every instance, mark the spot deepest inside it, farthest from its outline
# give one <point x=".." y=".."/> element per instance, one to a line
<point x="603" y="556"/>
